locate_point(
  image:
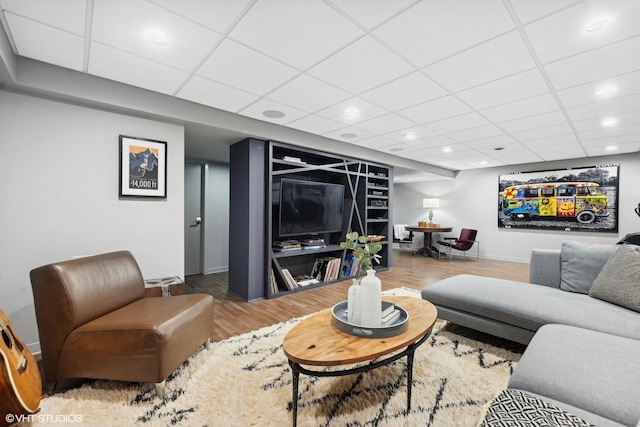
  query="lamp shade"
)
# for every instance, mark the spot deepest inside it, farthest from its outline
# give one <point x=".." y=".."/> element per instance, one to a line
<point x="430" y="203"/>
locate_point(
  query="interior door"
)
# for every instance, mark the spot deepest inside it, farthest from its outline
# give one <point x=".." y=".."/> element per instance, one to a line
<point x="192" y="219"/>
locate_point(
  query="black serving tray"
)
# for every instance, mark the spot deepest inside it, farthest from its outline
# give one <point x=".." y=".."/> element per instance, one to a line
<point x="338" y="320"/>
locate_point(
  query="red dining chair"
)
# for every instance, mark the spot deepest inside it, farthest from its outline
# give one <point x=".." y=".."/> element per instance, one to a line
<point x="463" y="243"/>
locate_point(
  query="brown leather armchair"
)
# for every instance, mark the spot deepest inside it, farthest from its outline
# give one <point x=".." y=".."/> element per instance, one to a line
<point x="95" y="322"/>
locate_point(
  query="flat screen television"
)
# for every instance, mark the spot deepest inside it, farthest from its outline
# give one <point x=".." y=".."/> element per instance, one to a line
<point x="308" y="207"/>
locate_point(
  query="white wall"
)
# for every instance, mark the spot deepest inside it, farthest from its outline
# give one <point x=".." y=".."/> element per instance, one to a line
<point x="59" y="197"/>
<point x="216" y="218"/>
<point x="471" y="200"/>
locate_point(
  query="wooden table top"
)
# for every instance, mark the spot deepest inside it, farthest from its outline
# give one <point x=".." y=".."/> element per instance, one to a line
<point x="315" y="341"/>
<point x="427" y="229"/>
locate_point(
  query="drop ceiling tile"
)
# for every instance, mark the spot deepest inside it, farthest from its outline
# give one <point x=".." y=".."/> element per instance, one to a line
<point x="606" y="108"/>
<point x="476" y="133"/>
<point x="370" y="13"/>
<point x="433" y="22"/>
<point x="361" y="66"/>
<point x="407" y="91"/>
<point x="621" y="86"/>
<point x="492" y="60"/>
<point x="300" y="33"/>
<point x="416" y="133"/>
<point x="437" y="109"/>
<point x="458" y="123"/>
<point x="597" y="64"/>
<point x="133" y="70"/>
<point x="308" y="94"/>
<point x="554" y="143"/>
<point x="374" y="142"/>
<point x="68" y="15"/>
<point x="491" y="149"/>
<point x="432" y="142"/>
<point x="544" y="132"/>
<point x="491" y="143"/>
<point x="217" y="15"/>
<point x="513" y="88"/>
<point x="596" y="122"/>
<point x="349" y="134"/>
<point x="398" y="149"/>
<point x="632" y="147"/>
<point x="562" y="34"/>
<point x="516" y="155"/>
<point x="44" y="43"/>
<point x="235" y="65"/>
<point x="258" y="108"/>
<point x="315" y="124"/>
<point x="352" y="111"/>
<point x="528" y="11"/>
<point x="215" y="95"/>
<point x="525" y="107"/>
<point x="481" y="161"/>
<point x="385" y="124"/>
<point x="186" y="43"/>
<point x="534" y="122"/>
<point x="549" y="156"/>
<point x="615" y="140"/>
<point x="610" y="132"/>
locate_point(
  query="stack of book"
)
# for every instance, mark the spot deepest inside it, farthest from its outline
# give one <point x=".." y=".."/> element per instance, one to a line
<point x="390" y="314"/>
<point x="326" y="269"/>
<point x="313" y="244"/>
<point x="286" y="245"/>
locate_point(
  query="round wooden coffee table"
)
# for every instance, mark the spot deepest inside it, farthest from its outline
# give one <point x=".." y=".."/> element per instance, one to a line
<point x="315" y="342"/>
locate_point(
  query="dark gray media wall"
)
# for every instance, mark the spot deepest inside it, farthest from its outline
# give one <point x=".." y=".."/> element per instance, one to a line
<point x="256" y="269"/>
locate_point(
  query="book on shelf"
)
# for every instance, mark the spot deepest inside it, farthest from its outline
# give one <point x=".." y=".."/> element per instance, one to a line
<point x="309" y="247"/>
<point x="350" y="266"/>
<point x="312" y="242"/>
<point x="272" y="282"/>
<point x="305" y="280"/>
<point x="289" y="281"/>
<point x="326" y="269"/>
<point x="288" y="249"/>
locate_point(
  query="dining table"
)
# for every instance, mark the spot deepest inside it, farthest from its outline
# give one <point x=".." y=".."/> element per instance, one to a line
<point x="428" y="232"/>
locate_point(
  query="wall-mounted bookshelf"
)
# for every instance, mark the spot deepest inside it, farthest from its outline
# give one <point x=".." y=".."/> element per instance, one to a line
<point x="286" y="268"/>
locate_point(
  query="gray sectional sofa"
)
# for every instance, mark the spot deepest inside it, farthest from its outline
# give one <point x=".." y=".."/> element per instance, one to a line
<point x="579" y="315"/>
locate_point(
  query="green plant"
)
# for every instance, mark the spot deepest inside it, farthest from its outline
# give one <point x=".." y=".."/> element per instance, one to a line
<point x="365" y="251"/>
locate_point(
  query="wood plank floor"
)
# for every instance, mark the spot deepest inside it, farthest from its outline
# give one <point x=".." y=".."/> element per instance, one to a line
<point x="233" y="316"/>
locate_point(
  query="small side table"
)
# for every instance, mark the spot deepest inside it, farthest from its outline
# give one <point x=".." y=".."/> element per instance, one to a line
<point x="164" y="287"/>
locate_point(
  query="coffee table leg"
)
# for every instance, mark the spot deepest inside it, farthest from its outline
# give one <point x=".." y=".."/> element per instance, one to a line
<point x="296" y="380"/>
<point x="410" y="355"/>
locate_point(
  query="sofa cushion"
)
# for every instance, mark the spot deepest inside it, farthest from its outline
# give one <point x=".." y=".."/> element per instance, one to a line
<point x="517" y="408"/>
<point x="580" y="263"/>
<point x="597" y="372"/>
<point x="619" y="280"/>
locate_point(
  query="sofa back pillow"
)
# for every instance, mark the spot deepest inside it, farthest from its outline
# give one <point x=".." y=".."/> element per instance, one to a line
<point x="580" y="264"/>
<point x="619" y="280"/>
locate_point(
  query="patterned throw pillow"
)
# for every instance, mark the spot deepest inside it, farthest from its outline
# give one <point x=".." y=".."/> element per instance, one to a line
<point x="619" y="279"/>
<point x="514" y="408"/>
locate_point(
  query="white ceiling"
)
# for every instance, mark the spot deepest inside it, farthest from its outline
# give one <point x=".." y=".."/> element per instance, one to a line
<point x="498" y="82"/>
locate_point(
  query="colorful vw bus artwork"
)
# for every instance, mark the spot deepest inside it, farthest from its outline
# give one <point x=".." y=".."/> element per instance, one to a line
<point x="584" y="201"/>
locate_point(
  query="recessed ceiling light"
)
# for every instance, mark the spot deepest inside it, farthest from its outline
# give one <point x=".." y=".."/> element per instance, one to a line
<point x="273" y="114"/>
<point x="598" y="23"/>
<point x="484" y="162"/>
<point x="606" y="90"/>
<point x="410" y="135"/>
<point x="348" y="135"/>
<point x="351" y="113"/>
<point x="155" y="37"/>
<point x="611" y="148"/>
<point x="447" y="149"/>
<point x="609" y="122"/>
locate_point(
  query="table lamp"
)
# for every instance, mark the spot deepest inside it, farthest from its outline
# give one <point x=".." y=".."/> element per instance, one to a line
<point x="430" y="204"/>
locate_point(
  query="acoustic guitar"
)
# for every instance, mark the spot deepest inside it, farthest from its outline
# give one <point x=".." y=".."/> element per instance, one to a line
<point x="20" y="382"/>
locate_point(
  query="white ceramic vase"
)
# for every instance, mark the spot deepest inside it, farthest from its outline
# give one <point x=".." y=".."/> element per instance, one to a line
<point x="353" y="303"/>
<point x="370" y="300"/>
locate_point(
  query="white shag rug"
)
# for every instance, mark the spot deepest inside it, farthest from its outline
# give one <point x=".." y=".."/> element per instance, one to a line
<point x="246" y="381"/>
